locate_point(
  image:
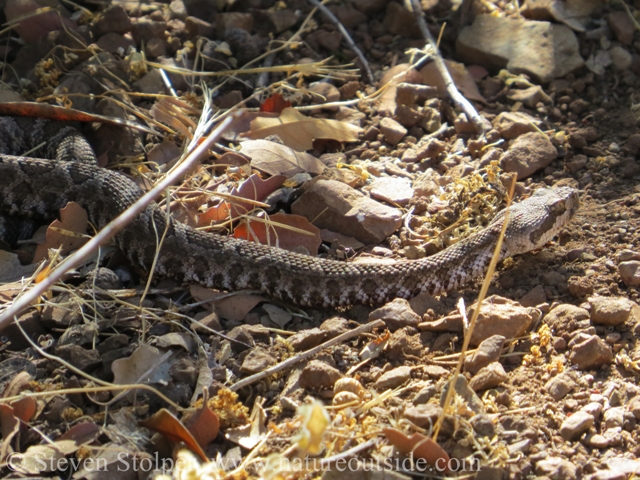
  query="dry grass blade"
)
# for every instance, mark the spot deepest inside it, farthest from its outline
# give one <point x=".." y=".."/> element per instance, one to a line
<point x="481" y="296"/>
<point x="108" y="232"/>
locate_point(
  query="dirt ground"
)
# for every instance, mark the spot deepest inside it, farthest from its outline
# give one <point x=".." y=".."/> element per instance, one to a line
<point x="556" y="396"/>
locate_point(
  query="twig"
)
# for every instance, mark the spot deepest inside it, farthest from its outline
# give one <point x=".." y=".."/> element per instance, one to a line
<point x="111" y="229"/>
<point x="304" y="355"/>
<point x="346" y="36"/>
<point x="483" y="293"/>
<point x="462" y="103"/>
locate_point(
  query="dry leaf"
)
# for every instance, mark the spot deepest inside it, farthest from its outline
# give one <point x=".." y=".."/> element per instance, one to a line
<point x="203" y="425"/>
<point x="248" y="436"/>
<point x="462" y="79"/>
<point x="299" y="131"/>
<point x="69" y="232"/>
<point x="171" y="428"/>
<point x="231" y="307"/>
<point x="276" y="159"/>
<point x="275" y="103"/>
<point x="419" y="446"/>
<point x="147" y="364"/>
<point x="9" y="426"/>
<point x="272" y="233"/>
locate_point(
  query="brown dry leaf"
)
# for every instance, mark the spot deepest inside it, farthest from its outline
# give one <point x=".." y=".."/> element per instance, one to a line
<point x="254" y="188"/>
<point x="17" y="384"/>
<point x="232" y="307"/>
<point x="82" y="433"/>
<point x="24" y="408"/>
<point x="69" y="232"/>
<point x="275" y="233"/>
<point x="241" y="124"/>
<point x="462" y="79"/>
<point x="170" y="427"/>
<point x="164" y="153"/>
<point x="276" y="159"/>
<point x="299" y="131"/>
<point x="420" y="446"/>
<point x="146" y="364"/>
<point x="204" y="425"/>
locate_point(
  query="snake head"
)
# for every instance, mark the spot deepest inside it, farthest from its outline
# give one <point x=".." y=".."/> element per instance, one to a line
<point x="536" y="220"/>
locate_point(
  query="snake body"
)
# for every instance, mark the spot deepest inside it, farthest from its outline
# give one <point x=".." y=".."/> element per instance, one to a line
<point x="38" y="188"/>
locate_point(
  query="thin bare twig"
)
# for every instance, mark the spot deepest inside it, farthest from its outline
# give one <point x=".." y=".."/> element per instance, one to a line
<point x="343" y="31"/>
<point x="111" y="229"/>
<point x="304" y="355"/>
<point x="461" y="102"/>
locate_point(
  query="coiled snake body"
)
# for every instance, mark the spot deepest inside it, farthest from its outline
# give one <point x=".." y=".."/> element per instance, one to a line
<point x="39" y="188"/>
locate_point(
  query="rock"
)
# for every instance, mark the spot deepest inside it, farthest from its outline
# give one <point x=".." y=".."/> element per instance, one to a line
<point x="487" y="352"/>
<point x="318" y="375"/>
<point x="593" y="408"/>
<point x="626" y="255"/>
<point x="620" y="58"/>
<point x="323" y="92"/>
<point x="336" y="206"/>
<point x="489" y="377"/>
<point x="393" y="132"/>
<point x="622" y="26"/>
<point x="82" y="358"/>
<point x="529" y="97"/>
<point x="463" y="389"/>
<point x="559" y="318"/>
<point x="591" y="354"/>
<point x="144" y="30"/>
<point x="113" y="20"/>
<point x="396" y="314"/>
<point x="392" y="190"/>
<point x="196" y="27"/>
<point x="150" y="83"/>
<point x="393" y="378"/>
<point x="274" y="21"/>
<point x="369" y="6"/>
<point x="423" y="416"/>
<point x="513" y="124"/>
<point x="528" y="153"/>
<point x="412" y="94"/>
<point x="112" y="42"/>
<point x="630" y="273"/>
<point x="427" y="393"/>
<point x="613" y="311"/>
<point x="431" y="149"/>
<point x="580" y="287"/>
<point x="556" y="468"/>
<point x="229" y="20"/>
<point x="400" y="21"/>
<point x="619" y="417"/>
<point x="156" y="47"/>
<point x="540" y="49"/>
<point x="577" y="163"/>
<point x="559" y="386"/>
<point x="534" y="297"/>
<point x="257" y="360"/>
<point x="501" y="316"/>
<point x="483" y="426"/>
<point x="306" y="339"/>
<point x="574" y="426"/>
<point x="401" y="343"/>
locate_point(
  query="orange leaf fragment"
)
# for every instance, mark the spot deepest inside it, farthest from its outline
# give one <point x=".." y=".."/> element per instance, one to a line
<point x="275" y="103"/>
<point x="419" y="446"/>
<point x="204" y="425"/>
<point x="165" y="423"/>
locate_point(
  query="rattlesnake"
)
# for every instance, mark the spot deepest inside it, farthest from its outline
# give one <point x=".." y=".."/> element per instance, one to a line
<point x="39" y="188"/>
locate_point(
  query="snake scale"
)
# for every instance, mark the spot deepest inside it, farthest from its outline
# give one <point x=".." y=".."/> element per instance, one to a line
<point x="38" y="188"/>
